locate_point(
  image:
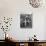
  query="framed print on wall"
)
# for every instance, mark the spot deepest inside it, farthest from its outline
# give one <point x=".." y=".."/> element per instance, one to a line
<point x="26" y="20"/>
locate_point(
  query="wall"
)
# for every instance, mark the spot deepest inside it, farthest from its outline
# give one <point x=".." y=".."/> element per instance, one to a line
<point x="13" y="8"/>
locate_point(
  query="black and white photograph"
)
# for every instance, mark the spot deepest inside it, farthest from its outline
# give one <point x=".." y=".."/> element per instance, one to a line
<point x="26" y="20"/>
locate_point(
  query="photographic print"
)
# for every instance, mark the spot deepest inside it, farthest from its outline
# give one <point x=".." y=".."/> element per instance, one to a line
<point x="26" y="20"/>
